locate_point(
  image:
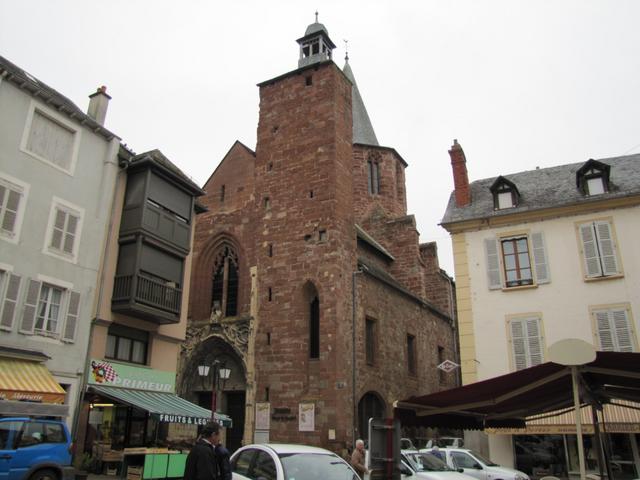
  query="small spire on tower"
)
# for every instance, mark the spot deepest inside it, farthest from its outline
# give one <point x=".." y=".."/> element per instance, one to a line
<point x="316" y="16"/>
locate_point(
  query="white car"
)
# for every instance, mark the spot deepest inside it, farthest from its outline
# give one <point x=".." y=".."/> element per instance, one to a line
<point x="473" y="464"/>
<point x="415" y="465"/>
<point x="287" y="462"/>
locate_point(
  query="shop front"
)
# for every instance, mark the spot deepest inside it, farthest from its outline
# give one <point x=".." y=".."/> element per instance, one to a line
<point x="28" y="388"/>
<point x="548" y="445"/>
<point x="133" y="412"/>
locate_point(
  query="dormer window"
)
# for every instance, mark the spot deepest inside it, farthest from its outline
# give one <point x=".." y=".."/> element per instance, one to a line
<point x="505" y="194"/>
<point x="593" y="178"/>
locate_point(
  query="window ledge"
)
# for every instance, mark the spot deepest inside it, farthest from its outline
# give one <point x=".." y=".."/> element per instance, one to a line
<point x="520" y="287"/>
<point x="604" y="277"/>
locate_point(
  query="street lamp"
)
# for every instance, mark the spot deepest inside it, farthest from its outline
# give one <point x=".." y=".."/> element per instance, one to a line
<point x="220" y="376"/>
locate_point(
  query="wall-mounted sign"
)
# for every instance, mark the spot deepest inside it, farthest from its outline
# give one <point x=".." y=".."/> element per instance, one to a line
<point x="306" y="417"/>
<point x="111" y="374"/>
<point x="263" y="414"/>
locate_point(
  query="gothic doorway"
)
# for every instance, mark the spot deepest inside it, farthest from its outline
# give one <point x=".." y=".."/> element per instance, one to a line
<point x="370" y="405"/>
<point x="215" y="352"/>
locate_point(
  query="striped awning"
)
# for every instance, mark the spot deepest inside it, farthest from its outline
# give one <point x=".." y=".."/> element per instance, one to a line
<point x="24" y="380"/>
<point x="164" y="407"/>
<point x="620" y="417"/>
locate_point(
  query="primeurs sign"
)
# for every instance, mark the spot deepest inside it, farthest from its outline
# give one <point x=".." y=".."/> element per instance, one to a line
<point x="111" y="374"/>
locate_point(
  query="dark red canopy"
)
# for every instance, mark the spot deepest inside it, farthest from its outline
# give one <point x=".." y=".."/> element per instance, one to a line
<point x="505" y="401"/>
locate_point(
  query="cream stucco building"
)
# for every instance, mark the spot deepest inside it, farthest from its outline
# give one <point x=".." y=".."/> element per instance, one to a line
<point x="541" y="256"/>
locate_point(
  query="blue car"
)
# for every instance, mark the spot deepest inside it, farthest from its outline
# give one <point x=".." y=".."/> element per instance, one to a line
<point x="34" y="449"/>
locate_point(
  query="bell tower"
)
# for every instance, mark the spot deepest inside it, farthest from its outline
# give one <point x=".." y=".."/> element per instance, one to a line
<point x="315" y="46"/>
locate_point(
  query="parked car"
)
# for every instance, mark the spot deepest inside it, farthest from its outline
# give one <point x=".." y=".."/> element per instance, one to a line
<point x="284" y="461"/>
<point x="426" y="466"/>
<point x="34" y="449"/>
<point x="475" y="465"/>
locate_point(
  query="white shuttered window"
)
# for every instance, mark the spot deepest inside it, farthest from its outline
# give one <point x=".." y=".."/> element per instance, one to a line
<point x="527" y="342"/>
<point x="614" y="330"/>
<point x="599" y="249"/>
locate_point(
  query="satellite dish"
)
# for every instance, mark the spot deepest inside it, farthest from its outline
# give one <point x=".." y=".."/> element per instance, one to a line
<point x="572" y="351"/>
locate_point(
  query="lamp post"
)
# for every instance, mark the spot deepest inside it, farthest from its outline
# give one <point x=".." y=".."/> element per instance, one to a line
<point x="220" y="373"/>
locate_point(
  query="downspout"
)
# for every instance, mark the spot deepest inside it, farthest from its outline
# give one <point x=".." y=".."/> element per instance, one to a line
<point x="115" y="145"/>
<point x="353" y="354"/>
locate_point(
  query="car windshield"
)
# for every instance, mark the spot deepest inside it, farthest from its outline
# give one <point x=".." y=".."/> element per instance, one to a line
<point x="315" y="466"/>
<point x="426" y="462"/>
<point x="484" y="460"/>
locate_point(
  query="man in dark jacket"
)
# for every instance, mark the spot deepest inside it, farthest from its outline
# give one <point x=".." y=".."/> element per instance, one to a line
<point x="202" y="463"/>
<point x="224" y="465"/>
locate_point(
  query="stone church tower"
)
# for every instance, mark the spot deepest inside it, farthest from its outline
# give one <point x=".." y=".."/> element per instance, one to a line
<point x="309" y="281"/>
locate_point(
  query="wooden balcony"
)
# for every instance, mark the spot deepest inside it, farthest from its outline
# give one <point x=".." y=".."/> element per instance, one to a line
<point x="146" y="298"/>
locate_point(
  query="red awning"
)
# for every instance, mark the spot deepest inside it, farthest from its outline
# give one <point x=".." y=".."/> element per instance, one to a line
<point x="506" y="401"/>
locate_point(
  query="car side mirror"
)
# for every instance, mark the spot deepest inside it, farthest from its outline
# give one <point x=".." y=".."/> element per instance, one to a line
<point x="477" y="466"/>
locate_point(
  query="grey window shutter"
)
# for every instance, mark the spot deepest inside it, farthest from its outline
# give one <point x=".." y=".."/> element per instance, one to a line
<point x="534" y="338"/>
<point x="540" y="258"/>
<point x="605" y="333"/>
<point x="518" y="343"/>
<point x="623" y="333"/>
<point x="493" y="263"/>
<point x="10" y="301"/>
<point x="30" y="306"/>
<point x="590" y="250"/>
<point x="69" y="334"/>
<point x="607" y="248"/>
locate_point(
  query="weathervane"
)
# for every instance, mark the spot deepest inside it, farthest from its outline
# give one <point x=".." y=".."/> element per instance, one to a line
<point x="316" y="16"/>
<point x="346" y="50"/>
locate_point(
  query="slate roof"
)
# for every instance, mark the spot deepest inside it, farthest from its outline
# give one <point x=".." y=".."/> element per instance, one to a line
<point x="546" y="188"/>
<point x="157" y="157"/>
<point x="36" y="88"/>
<point x="362" y="128"/>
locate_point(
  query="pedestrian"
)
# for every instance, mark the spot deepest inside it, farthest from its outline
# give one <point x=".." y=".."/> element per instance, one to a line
<point x="358" y="459"/>
<point x="436" y="451"/>
<point x="201" y="462"/>
<point x="224" y="465"/>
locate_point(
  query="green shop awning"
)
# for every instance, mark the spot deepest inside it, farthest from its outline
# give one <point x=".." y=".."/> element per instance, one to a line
<point x="164" y="407"/>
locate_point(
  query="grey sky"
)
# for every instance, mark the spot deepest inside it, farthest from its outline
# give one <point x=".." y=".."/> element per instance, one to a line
<point x="520" y="84"/>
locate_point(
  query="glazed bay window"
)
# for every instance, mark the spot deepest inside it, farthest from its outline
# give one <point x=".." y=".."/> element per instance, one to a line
<point x="599" y="252"/>
<point x="516" y="261"/>
<point x="127" y="344"/>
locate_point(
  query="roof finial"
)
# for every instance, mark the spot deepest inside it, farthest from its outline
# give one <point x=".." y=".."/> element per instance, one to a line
<point x="316" y="16"/>
<point x="346" y="50"/>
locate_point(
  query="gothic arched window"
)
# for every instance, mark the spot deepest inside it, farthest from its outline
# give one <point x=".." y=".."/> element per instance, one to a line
<point x="224" y="292"/>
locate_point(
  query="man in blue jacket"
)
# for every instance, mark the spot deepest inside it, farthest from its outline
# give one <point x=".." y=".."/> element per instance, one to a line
<point x="201" y="462"/>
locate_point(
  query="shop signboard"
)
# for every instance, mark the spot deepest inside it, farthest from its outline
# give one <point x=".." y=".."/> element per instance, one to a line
<point x="112" y="374"/>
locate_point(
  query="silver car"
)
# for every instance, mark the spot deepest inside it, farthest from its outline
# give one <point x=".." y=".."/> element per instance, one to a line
<point x="288" y="462"/>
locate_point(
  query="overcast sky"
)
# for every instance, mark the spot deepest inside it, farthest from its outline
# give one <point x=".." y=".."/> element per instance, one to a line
<point x="520" y="84"/>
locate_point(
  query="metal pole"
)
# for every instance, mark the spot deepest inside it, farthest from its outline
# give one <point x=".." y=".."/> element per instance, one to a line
<point x="214" y="390"/>
<point x="353" y="359"/>
<point x="576" y="403"/>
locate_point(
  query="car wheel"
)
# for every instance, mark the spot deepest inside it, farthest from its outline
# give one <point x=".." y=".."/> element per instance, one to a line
<point x="46" y="474"/>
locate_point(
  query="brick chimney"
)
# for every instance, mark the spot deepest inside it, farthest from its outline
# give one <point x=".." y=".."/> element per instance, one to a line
<point x="460" y="177"/>
<point x="98" y="104"/>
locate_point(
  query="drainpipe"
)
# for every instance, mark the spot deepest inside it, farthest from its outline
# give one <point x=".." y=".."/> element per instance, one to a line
<point x="353" y="351"/>
<point x="113" y="152"/>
